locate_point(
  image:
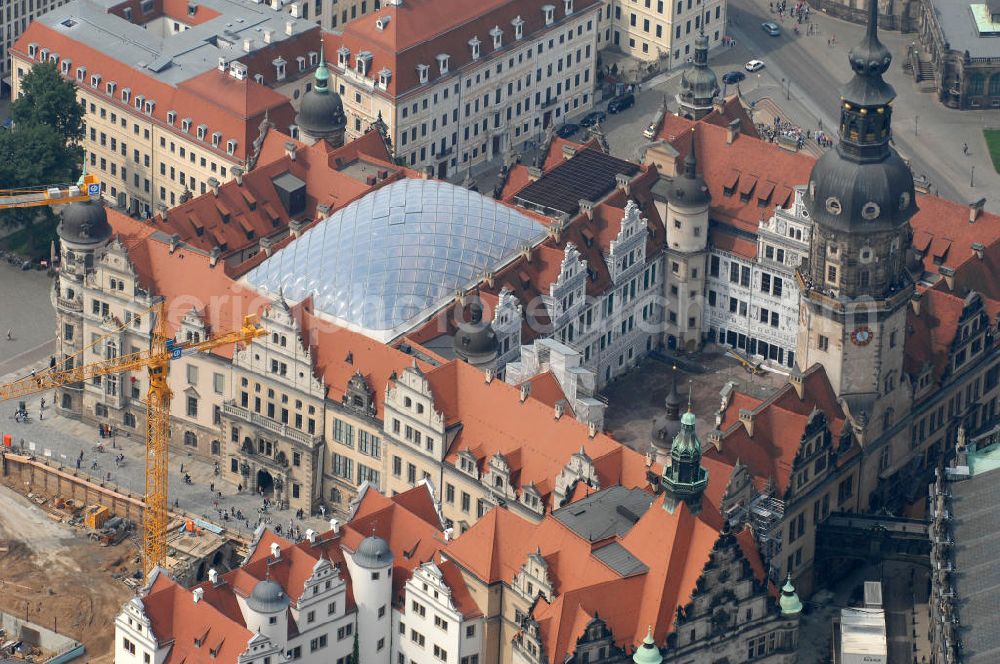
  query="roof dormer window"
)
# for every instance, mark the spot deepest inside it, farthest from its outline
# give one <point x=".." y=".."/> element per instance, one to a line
<point x="126" y="95"/>
<point x="301" y="60"/>
<point x="150" y="105"/>
<point x="474" y="44"/>
<point x="497" y="35"/>
<point x="109" y="88"/>
<point x="95" y="80"/>
<point x="568" y="5"/>
<point x="279" y="68"/>
<point x="216" y="138"/>
<point x="382" y="22"/>
<point x="384" y="77"/>
<point x="518" y="24"/>
<point x="343" y="56"/>
<point x="54" y="58"/>
<point x="186" y="125"/>
<point x="45" y="55"/>
<point x="64" y="67"/>
<point x="202" y="130"/>
<point x="81" y="73"/>
<point x="171" y="117"/>
<point x="313" y="58"/>
<point x="138" y="101"/>
<point x="363" y="62"/>
<point x="442" y="59"/>
<point x="550" y="13"/>
<point x="32" y="49"/>
<point x="259" y="78"/>
<point x="422" y="72"/>
<point x="231" y="146"/>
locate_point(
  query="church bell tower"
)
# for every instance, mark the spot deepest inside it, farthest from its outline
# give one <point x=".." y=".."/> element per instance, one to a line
<point x="856" y="288"/>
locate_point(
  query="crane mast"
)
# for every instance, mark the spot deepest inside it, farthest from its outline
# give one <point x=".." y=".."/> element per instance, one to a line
<point x="156" y="360"/>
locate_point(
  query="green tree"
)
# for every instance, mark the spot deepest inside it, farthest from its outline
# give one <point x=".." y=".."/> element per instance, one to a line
<point x="48" y="99"/>
<point x="356" y="655"/>
<point x="42" y="149"/>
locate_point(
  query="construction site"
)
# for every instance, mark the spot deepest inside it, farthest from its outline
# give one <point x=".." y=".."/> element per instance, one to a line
<point x="71" y="556"/>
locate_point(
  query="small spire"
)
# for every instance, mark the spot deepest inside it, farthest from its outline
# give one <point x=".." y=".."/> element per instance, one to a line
<point x="872" y="32"/>
<point x="322" y="73"/>
<point x="691" y="160"/>
<point x="689" y="398"/>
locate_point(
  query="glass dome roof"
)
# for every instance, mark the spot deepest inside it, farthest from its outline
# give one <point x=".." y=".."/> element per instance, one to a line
<point x="397" y="253"/>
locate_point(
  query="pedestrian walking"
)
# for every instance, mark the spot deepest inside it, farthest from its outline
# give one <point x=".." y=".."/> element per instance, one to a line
<point x="10" y="334"/>
<point x="965" y="149"/>
<point x="211" y="486"/>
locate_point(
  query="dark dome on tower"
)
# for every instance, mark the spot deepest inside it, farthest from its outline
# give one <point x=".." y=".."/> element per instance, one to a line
<point x="699" y="81"/>
<point x="689" y="188"/>
<point x="863" y="183"/>
<point x="475" y="341"/>
<point x="321" y="111"/>
<point x="85" y="223"/>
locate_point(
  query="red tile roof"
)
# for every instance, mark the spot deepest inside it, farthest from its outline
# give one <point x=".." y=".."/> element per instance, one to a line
<point x="778" y="425"/>
<point x="419" y="30"/>
<point x="408" y="522"/>
<point x="221" y="102"/>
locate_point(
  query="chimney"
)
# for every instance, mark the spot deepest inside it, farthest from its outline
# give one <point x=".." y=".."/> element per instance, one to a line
<point x="248" y="44"/>
<point x="268" y="35"/>
<point x="560" y="407"/>
<point x="335" y="526"/>
<point x="311" y="535"/>
<point x="213" y="257"/>
<point x="223" y="65"/>
<point x="322" y="210"/>
<point x="489" y="375"/>
<point x="949" y="276"/>
<point x="295" y="227"/>
<point x="197" y="594"/>
<point x="719" y="105"/>
<point x="732" y="131"/>
<point x="746" y="417"/>
<point x="569" y="151"/>
<point x="795" y="378"/>
<point x="586" y="207"/>
<point x="978" y="248"/>
<point x="290" y="150"/>
<point x="214" y="184"/>
<point x="449" y="533"/>
<point x="238" y="174"/>
<point x="622" y="181"/>
<point x="488" y="278"/>
<point x="915" y="302"/>
<point x="534" y="173"/>
<point x="175" y="241"/>
<point x="275" y="551"/>
<point x="591" y="429"/>
<point x="975" y="209"/>
<point x="266" y="245"/>
<point x="525" y="391"/>
<point x="289" y="27"/>
<point x="213" y="576"/>
<point x="428" y="173"/>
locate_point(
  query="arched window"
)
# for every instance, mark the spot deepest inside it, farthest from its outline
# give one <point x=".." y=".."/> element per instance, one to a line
<point x="216" y="447"/>
<point x="128" y="419"/>
<point x="976" y="84"/>
<point x="995" y="85"/>
<point x="190" y="439"/>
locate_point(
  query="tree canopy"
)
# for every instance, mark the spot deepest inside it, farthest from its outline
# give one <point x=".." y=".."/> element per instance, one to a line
<point x="48" y="99"/>
<point x="42" y="148"/>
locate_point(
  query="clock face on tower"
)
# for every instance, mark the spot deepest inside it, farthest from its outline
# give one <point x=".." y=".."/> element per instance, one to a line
<point x="861" y="336"/>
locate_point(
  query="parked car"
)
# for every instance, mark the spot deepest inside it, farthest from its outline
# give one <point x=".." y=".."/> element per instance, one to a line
<point x="754" y="65"/>
<point x="654" y="126"/>
<point x="568" y="129"/>
<point x="771" y="28"/>
<point x="733" y="77"/>
<point x="619" y="104"/>
<point x="592" y="118"/>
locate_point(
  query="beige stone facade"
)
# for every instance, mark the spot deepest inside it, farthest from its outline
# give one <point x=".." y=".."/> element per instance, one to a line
<point x="664" y="30"/>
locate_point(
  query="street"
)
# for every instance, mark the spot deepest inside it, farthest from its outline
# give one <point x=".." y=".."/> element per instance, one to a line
<point x="26" y="311"/>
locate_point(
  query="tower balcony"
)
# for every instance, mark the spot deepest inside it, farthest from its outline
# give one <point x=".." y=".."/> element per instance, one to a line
<point x="63" y="304"/>
<point x="829" y="299"/>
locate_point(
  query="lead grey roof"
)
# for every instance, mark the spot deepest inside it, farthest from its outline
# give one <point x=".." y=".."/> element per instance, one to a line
<point x="959" y="28"/>
<point x="373" y="553"/>
<point x="618" y="558"/>
<point x="173" y="59"/>
<point x="610" y="512"/>
<point x="386" y="260"/>
<point x="976" y="529"/>
<point x="267" y="597"/>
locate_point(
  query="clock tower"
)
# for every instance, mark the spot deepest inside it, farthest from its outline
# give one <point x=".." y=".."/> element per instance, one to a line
<point x="855" y="289"/>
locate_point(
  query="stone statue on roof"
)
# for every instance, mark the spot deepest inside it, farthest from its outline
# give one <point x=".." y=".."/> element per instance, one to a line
<point x="262" y="128"/>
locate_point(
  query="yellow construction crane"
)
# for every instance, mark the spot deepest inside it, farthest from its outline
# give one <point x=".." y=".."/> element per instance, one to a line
<point x="162" y="351"/>
<point x="87" y="188"/>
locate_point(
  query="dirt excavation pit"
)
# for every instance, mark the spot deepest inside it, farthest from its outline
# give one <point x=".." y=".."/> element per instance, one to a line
<point x="59" y="578"/>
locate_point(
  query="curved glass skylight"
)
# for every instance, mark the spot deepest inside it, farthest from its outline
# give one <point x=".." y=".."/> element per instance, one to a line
<point x="396" y="254"/>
